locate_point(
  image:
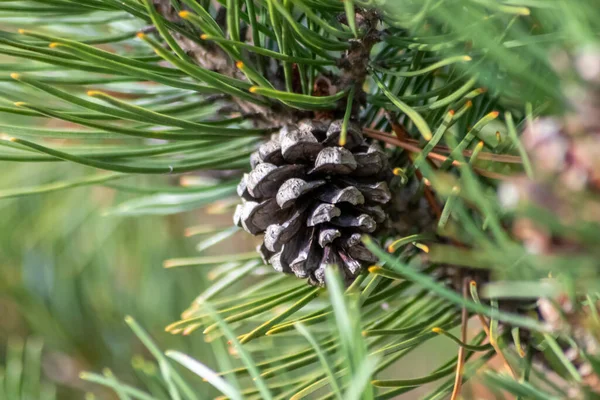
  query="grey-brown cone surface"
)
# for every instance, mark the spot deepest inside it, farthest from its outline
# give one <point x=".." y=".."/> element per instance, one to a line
<point x="313" y="199"/>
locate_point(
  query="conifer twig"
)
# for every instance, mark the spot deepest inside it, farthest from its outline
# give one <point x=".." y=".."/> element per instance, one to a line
<point x="460" y="363"/>
<point x="485" y="325"/>
<point x="375" y="134"/>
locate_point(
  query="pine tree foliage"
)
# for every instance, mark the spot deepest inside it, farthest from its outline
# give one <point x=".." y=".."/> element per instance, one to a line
<point x="162" y="88"/>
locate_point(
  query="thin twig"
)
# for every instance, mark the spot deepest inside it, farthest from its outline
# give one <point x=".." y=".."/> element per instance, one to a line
<point x="430" y="197"/>
<point x="503" y="158"/>
<point x="486" y="328"/>
<point x="384" y="137"/>
<point x="464" y="324"/>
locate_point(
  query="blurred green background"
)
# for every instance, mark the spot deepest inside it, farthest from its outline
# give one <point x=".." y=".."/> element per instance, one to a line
<point x="69" y="275"/>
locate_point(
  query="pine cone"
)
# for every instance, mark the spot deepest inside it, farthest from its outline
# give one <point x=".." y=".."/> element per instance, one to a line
<point x="313" y="199"/>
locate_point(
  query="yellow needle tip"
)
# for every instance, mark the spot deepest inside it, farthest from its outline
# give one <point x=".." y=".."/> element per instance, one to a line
<point x="20" y="103"/>
<point x="140" y="35"/>
<point x="54" y="45"/>
<point x="7" y="138"/>
<point x="14" y="75"/>
<point x="21" y="31"/>
<point x="93" y="93"/>
<point x="253" y="89"/>
<point x="204" y="36"/>
<point x="184" y="14"/>
<point x="374" y="268"/>
<point x="422" y="247"/>
<point x="239" y="64"/>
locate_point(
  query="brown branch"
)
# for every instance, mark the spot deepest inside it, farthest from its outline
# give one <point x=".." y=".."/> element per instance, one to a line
<point x="503" y="158"/>
<point x="486" y="328"/>
<point x="211" y="56"/>
<point x="384" y="137"/>
<point x="464" y="324"/>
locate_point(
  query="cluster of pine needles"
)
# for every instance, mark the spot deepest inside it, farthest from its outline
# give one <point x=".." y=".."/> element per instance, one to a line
<point x="167" y="100"/>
